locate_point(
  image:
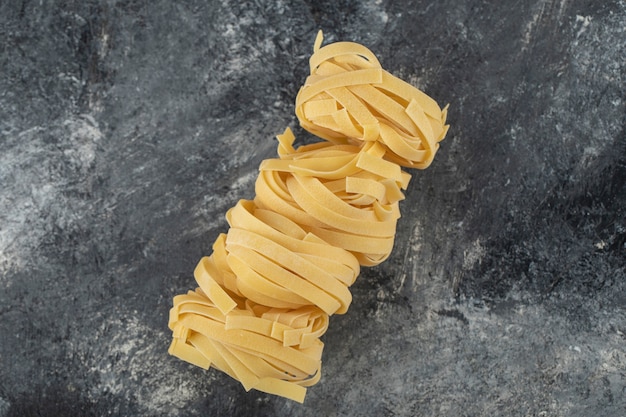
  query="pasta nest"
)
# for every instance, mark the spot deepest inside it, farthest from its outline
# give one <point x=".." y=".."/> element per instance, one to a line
<point x="349" y="96"/>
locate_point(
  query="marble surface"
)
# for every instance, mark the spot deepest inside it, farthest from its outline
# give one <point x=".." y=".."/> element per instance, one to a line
<point x="128" y="128"/>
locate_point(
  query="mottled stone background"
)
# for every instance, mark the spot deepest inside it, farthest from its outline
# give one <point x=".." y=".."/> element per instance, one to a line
<point x="128" y="128"/>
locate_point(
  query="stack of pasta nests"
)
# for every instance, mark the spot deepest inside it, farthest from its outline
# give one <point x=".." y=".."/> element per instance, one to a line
<point x="321" y="212"/>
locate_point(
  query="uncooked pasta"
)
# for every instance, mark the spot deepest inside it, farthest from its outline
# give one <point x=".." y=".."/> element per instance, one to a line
<point x="321" y="212"/>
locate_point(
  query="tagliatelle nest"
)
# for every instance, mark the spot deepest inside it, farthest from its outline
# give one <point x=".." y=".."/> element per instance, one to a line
<point x="350" y="96"/>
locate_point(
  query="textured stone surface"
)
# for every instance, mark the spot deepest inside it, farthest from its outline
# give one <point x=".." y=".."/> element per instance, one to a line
<point x="128" y="128"/>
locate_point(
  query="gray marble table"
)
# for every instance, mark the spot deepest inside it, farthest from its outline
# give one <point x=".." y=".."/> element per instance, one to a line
<point x="128" y="128"/>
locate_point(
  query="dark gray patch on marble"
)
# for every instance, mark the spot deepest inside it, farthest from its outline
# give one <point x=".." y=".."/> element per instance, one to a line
<point x="128" y="128"/>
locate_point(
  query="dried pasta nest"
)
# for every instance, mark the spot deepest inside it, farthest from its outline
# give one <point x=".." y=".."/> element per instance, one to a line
<point x="348" y="95"/>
